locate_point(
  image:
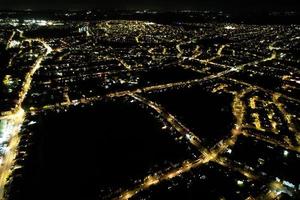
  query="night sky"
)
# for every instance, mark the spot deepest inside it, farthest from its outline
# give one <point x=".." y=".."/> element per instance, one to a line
<point x="154" y="4"/>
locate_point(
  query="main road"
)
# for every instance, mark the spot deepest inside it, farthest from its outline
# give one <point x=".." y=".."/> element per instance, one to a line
<point x="14" y="118"/>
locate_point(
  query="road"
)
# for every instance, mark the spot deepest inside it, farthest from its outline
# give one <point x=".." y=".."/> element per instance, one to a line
<point x="16" y="117"/>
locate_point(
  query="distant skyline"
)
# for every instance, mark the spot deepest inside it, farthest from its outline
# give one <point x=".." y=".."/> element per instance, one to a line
<point x="154" y="4"/>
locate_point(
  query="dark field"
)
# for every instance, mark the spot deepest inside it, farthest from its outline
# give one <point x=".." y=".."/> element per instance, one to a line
<point x="79" y="153"/>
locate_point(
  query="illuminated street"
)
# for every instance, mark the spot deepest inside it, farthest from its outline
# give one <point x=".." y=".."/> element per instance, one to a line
<point x="146" y="108"/>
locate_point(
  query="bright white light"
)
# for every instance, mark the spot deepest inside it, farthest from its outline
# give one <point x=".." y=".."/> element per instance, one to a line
<point x="14" y="44"/>
<point x="149" y="23"/>
<point x="164" y="127"/>
<point x="229" y="27"/>
<point x="32" y="122"/>
<point x="240" y="183"/>
<point x="5" y="131"/>
<point x="42" y="23"/>
<point x="291" y="185"/>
